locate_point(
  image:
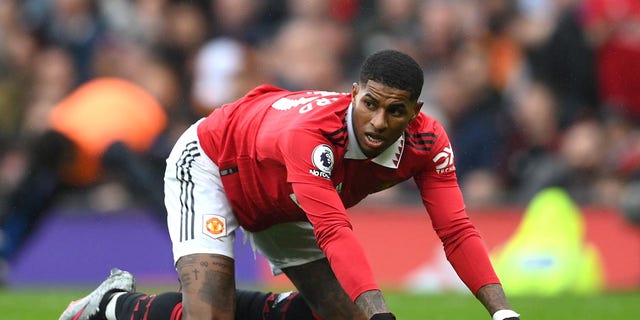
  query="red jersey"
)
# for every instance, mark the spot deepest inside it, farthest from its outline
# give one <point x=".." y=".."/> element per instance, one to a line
<point x="292" y="156"/>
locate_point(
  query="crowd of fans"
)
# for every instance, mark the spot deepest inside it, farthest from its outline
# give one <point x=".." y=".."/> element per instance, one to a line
<point x="533" y="93"/>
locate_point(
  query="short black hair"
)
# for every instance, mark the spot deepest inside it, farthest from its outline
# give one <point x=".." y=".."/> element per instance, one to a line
<point x="394" y="69"/>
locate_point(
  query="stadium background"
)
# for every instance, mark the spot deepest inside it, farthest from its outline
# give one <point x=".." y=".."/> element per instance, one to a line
<point x="528" y="90"/>
<point x="404" y="253"/>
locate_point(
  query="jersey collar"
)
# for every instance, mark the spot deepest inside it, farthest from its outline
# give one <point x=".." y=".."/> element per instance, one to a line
<point x="389" y="158"/>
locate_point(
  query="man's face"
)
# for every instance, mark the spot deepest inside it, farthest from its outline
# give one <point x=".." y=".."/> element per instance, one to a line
<point x="380" y="115"/>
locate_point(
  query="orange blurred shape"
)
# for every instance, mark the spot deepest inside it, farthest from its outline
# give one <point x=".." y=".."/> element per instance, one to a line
<point x="101" y="112"/>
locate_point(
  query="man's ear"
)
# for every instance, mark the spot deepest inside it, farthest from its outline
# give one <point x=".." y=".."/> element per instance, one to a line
<point x="354" y="90"/>
<point x="417" y="109"/>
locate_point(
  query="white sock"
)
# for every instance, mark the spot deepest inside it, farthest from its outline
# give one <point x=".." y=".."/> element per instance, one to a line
<point x="110" y="310"/>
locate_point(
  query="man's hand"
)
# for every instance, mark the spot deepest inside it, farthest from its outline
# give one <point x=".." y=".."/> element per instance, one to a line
<point x="383" y="316"/>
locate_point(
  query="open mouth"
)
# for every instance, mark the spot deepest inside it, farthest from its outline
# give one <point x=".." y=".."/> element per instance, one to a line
<point x="373" y="141"/>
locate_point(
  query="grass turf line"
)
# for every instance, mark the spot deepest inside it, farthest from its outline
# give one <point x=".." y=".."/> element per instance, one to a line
<point x="48" y="303"/>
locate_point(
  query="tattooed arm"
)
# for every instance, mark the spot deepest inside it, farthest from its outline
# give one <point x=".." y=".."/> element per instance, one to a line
<point x="322" y="291"/>
<point x="371" y="302"/>
<point x="493" y="298"/>
<point x="208" y="286"/>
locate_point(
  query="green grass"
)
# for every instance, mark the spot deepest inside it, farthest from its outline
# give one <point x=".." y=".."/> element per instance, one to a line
<point x="26" y="304"/>
<point x="434" y="307"/>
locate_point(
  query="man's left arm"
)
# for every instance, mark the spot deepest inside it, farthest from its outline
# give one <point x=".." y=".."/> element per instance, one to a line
<point x="495" y="301"/>
<point x="464" y="247"/>
<point x="462" y="243"/>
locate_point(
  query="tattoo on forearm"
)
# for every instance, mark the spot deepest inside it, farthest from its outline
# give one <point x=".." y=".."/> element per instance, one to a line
<point x="372" y="302"/>
<point x="209" y="279"/>
<point x="224" y="302"/>
<point x="322" y="291"/>
<point x="493" y="298"/>
<point x="185" y="280"/>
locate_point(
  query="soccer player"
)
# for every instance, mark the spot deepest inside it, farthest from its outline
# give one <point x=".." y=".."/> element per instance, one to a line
<point x="284" y="166"/>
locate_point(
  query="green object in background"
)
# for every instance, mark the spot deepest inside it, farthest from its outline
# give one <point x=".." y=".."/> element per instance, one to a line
<point x="548" y="254"/>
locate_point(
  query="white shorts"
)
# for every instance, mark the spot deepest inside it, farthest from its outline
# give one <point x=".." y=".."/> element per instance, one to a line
<point x="200" y="218"/>
<point x="287" y="245"/>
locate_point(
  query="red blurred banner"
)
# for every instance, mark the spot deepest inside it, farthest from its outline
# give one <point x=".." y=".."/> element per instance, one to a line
<point x="405" y="251"/>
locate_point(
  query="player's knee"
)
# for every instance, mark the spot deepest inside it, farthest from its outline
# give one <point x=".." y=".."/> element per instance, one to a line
<point x="165" y="306"/>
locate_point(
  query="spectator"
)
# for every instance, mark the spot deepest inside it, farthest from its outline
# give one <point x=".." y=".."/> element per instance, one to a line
<point x="585" y="175"/>
<point x="532" y="147"/>
<point x="44" y="83"/>
<point x="296" y="61"/>
<point x="558" y="55"/>
<point x="613" y="29"/>
<point x="224" y="69"/>
<point x="101" y="128"/>
<point x="248" y="21"/>
<point x="472" y="111"/>
<point x="74" y="25"/>
<point x="393" y="24"/>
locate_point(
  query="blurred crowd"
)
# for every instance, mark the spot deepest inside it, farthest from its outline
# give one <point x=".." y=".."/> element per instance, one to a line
<point x="532" y="93"/>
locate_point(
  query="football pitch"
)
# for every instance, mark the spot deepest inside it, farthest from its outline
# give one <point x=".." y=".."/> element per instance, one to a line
<point x="40" y="304"/>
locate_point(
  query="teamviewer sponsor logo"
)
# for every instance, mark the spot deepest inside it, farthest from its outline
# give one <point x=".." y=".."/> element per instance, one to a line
<point x="444" y="161"/>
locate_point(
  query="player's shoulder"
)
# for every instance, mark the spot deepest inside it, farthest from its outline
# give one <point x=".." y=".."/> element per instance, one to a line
<point x="424" y="132"/>
<point x="313" y="114"/>
<point x="317" y="109"/>
<point x="425" y="122"/>
<point x="329" y="123"/>
<point x="266" y="88"/>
